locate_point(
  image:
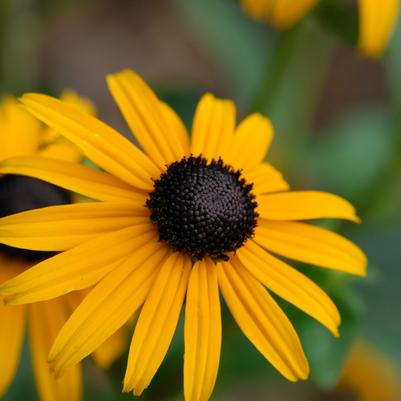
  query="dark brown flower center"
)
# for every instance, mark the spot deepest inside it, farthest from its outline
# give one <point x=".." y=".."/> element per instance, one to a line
<point x="203" y="208"/>
<point x="20" y="193"/>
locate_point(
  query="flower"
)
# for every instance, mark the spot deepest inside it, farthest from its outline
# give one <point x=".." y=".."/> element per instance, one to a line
<point x="376" y="19"/>
<point x="370" y="375"/>
<point x="182" y="219"/>
<point x="22" y="134"/>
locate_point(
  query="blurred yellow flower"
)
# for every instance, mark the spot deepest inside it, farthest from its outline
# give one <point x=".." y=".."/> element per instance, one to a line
<point x="22" y="134"/>
<point x="370" y="375"/>
<point x="182" y="220"/>
<point x="377" y="19"/>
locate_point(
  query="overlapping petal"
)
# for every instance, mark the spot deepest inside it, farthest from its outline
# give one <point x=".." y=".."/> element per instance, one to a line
<point x="262" y="321"/>
<point x="74" y="177"/>
<point x="202" y="332"/>
<point x="57" y="228"/>
<point x="146" y="118"/>
<point x="107" y="307"/>
<point x="157" y="322"/>
<point x="266" y="179"/>
<point x="311" y="244"/>
<point x="289" y="284"/>
<point x="78" y="268"/>
<point x="305" y="205"/>
<point x="100" y="143"/>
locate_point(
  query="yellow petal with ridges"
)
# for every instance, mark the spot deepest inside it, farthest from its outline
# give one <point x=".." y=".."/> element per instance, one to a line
<point x="213" y="128"/>
<point x="289" y="284"/>
<point x="45" y="321"/>
<point x="266" y="179"/>
<point x="57" y="228"/>
<point x="377" y="21"/>
<point x="262" y="321"/>
<point x="74" y="177"/>
<point x="311" y="244"/>
<point x="202" y="332"/>
<point x="305" y="205"/>
<point x="100" y="143"/>
<point x="78" y="268"/>
<point x="142" y="111"/>
<point x="251" y="142"/>
<point x="107" y="307"/>
<point x="157" y="322"/>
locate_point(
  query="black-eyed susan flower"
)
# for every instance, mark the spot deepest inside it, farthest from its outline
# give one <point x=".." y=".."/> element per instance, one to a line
<point x="370" y="375"/>
<point x="180" y="220"/>
<point x="377" y="19"/>
<point x="22" y="134"/>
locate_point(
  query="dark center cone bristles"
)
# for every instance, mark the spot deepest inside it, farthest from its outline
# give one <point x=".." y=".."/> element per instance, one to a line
<point x="203" y="208"/>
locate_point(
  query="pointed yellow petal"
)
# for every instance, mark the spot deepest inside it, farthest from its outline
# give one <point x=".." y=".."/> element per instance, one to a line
<point x="202" y="332"/>
<point x="111" y="349"/>
<point x="100" y="143"/>
<point x="11" y="337"/>
<point x="45" y="321"/>
<point x="311" y="244"/>
<point x="142" y="111"/>
<point x="262" y="321"/>
<point x="289" y="284"/>
<point x="78" y="268"/>
<point x="213" y="128"/>
<point x="265" y="178"/>
<point x="251" y="142"/>
<point x="74" y="177"/>
<point x="107" y="307"/>
<point x="57" y="228"/>
<point x="285" y="13"/>
<point x="305" y="205"/>
<point x="376" y="26"/>
<point x="157" y="322"/>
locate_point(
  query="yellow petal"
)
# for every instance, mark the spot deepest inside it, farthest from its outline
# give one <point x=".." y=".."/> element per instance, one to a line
<point x="285" y="13"/>
<point x="258" y="9"/>
<point x="78" y="268"/>
<point x="265" y="178"/>
<point x="289" y="284"/>
<point x="157" y="322"/>
<point x="57" y="228"/>
<point x="305" y="205"/>
<point x="107" y="307"/>
<point x="19" y="131"/>
<point x="262" y="321"/>
<point x="213" y="128"/>
<point x="377" y="23"/>
<point x="100" y="143"/>
<point x="251" y="142"/>
<point x="61" y="151"/>
<point x="311" y="244"/>
<point x="74" y="177"/>
<point x="111" y="349"/>
<point x="176" y="126"/>
<point x="142" y="111"/>
<point x="45" y="321"/>
<point x="202" y="332"/>
<point x="12" y="321"/>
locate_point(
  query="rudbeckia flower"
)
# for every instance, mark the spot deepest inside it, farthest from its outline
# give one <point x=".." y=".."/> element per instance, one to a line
<point x="22" y="134"/>
<point x="181" y="220"/>
<point x="377" y="19"/>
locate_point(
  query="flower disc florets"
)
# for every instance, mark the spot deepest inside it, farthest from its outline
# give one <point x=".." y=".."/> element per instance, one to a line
<point x="203" y="208"/>
<point x="20" y="193"/>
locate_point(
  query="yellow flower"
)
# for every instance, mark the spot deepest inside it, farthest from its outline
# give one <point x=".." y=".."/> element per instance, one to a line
<point x="180" y="220"/>
<point x="22" y="134"/>
<point x="370" y="375"/>
<point x="377" y="19"/>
